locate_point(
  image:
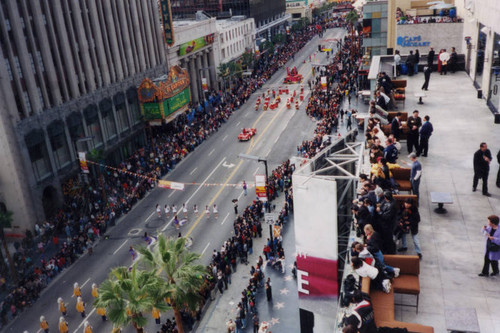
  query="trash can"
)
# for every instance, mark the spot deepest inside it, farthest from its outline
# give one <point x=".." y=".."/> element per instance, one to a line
<point x="480" y="93"/>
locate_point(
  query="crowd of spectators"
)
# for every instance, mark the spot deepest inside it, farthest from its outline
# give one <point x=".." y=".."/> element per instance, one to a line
<point x="445" y="16"/>
<point x="91" y="208"/>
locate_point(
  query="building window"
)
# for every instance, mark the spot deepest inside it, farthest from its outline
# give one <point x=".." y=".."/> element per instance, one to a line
<point x="18" y="67"/>
<point x="60" y="150"/>
<point x="9" y="69"/>
<point x="27" y="102"/>
<point x="135" y="112"/>
<point x="94" y="130"/>
<point x="40" y="96"/>
<point x="121" y="114"/>
<point x="40" y="161"/>
<point x="32" y="61"/>
<point x="109" y="126"/>
<point x="40" y="60"/>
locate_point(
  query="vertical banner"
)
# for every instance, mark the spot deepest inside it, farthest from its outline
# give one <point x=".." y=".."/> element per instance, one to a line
<point x="167" y="22"/>
<point x="315" y="222"/>
<point x="83" y="162"/>
<point x="204" y="84"/>
<point x="260" y="187"/>
<point x="323" y="83"/>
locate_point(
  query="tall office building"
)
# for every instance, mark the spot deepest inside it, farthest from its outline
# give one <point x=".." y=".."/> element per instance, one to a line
<point x="68" y="78"/>
<point x="269" y="16"/>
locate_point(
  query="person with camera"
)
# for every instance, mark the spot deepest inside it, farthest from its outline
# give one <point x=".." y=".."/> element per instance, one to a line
<point x="492" y="253"/>
<point x="362" y="316"/>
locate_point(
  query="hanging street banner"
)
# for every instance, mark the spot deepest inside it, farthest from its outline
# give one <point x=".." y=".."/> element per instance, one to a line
<point x="196" y="44"/>
<point x="323" y="83"/>
<point x="164" y="96"/>
<point x="167" y="22"/>
<point x="83" y="162"/>
<point x="204" y="84"/>
<point x="260" y="187"/>
<point x="171" y="185"/>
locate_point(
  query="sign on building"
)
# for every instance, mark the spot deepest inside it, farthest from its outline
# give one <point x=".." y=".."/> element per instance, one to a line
<point x="196" y="44"/>
<point x="162" y="99"/>
<point x="167" y="22"/>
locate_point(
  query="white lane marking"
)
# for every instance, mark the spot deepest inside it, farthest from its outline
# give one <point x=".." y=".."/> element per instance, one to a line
<point x="238" y="124"/>
<point x="206" y="247"/>
<point x="224" y="138"/>
<point x="150" y="216"/>
<point x="118" y="249"/>
<point x="83" y="321"/>
<point x="257" y="170"/>
<point x="225" y="219"/>
<point x="211" y="152"/>
<point x="239" y="197"/>
<point x="277" y="138"/>
<point x="193" y="171"/>
<point x="83" y="285"/>
<point x="269" y="152"/>
<point x="199" y="188"/>
<point x="171" y="194"/>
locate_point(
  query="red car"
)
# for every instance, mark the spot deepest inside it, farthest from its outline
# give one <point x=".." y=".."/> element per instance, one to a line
<point x="246" y="134"/>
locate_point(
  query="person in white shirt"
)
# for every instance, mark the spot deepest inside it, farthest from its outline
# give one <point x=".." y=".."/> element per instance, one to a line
<point x="397" y="62"/>
<point x="379" y="279"/>
<point x="444" y="57"/>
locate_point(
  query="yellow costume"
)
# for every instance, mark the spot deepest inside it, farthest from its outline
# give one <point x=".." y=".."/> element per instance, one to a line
<point x="156" y="313"/>
<point x="80" y="307"/>
<point x="95" y="291"/>
<point x="44" y="325"/>
<point x="63" y="327"/>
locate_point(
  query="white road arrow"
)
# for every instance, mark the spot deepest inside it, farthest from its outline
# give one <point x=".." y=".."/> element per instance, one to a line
<point x="229" y="166"/>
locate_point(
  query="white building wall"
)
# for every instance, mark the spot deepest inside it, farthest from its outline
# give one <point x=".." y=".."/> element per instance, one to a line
<point x="235" y="37"/>
<point x="474" y="13"/>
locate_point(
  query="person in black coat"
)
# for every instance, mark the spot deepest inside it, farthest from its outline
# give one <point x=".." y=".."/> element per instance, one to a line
<point x="427" y="77"/>
<point x="396" y="126"/>
<point x="482" y="160"/>
<point x="430" y="58"/>
<point x="498" y="175"/>
<point x="387" y="217"/>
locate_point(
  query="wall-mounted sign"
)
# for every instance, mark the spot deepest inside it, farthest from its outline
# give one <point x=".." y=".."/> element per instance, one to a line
<point x="167" y="22"/>
<point x="161" y="99"/>
<point x="196" y="44"/>
<point x="412" y="41"/>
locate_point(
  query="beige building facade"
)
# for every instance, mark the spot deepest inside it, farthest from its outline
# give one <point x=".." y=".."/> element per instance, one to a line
<point x="68" y="78"/>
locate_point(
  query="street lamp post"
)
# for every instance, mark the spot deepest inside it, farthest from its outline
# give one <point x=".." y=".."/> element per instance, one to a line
<point x="258" y="159"/>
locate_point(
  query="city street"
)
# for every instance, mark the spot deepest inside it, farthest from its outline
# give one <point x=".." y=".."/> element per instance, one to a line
<point x="215" y="161"/>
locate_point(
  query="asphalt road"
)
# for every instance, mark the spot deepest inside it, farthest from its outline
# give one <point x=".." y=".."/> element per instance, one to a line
<point x="214" y="161"/>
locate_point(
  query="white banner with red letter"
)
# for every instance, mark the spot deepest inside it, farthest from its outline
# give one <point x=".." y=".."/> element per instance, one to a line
<point x="260" y="187"/>
<point x="315" y="222"/>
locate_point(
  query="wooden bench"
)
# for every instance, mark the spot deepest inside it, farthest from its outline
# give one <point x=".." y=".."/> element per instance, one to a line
<point x="402" y="177"/>
<point x="392" y="114"/>
<point x="404" y="132"/>
<point x="407" y="283"/>
<point x="399" y="90"/>
<point x="401" y="198"/>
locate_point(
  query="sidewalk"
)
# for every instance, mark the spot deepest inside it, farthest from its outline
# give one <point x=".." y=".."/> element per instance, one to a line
<point x="452" y="243"/>
<point x="282" y="312"/>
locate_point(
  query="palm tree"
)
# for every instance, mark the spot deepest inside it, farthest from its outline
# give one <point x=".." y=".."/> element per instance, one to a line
<point x="6" y="222"/>
<point x="128" y="294"/>
<point x="170" y="259"/>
